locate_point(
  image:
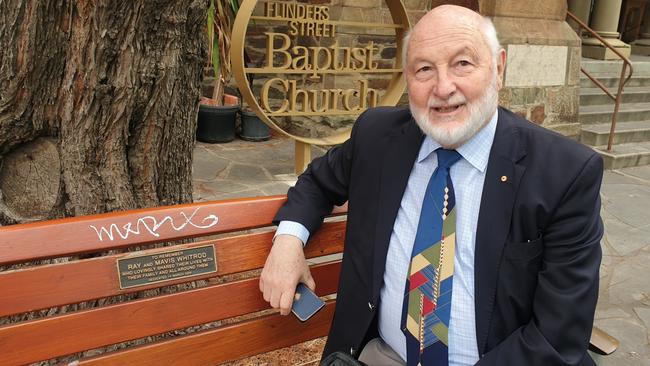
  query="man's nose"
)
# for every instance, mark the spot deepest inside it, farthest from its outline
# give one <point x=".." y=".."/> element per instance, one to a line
<point x="445" y="86"/>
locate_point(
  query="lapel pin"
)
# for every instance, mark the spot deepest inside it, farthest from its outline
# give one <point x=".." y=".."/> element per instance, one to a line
<point x="504" y="178"/>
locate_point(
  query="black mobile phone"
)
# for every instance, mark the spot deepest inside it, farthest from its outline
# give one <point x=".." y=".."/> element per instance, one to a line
<point x="305" y="303"/>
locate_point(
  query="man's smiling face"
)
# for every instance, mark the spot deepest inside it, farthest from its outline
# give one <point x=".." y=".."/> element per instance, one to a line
<point x="452" y="78"/>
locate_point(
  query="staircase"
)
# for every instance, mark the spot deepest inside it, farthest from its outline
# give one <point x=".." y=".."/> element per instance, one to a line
<point x="632" y="137"/>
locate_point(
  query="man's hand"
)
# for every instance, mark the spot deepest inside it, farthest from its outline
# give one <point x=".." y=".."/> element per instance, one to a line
<point x="284" y="268"/>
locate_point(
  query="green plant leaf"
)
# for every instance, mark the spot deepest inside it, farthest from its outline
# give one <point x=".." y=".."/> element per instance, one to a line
<point x="216" y="57"/>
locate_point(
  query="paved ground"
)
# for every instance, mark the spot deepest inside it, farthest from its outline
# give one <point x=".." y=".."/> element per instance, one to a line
<point x="624" y="301"/>
<point x="244" y="169"/>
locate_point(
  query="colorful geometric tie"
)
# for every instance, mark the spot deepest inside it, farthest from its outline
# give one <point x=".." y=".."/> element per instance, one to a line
<point x="427" y="299"/>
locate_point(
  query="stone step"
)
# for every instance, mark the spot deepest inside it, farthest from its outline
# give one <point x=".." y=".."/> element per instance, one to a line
<point x="625" y="155"/>
<point x="626" y="132"/>
<point x="628" y="112"/>
<point x="632" y="136"/>
<point x="632" y="94"/>
<point x="640" y="66"/>
<point x="611" y="81"/>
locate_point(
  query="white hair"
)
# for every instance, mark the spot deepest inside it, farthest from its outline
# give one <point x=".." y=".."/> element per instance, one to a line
<point x="488" y="31"/>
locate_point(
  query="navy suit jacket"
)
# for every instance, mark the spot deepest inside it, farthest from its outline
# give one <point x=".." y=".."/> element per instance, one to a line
<point x="537" y="243"/>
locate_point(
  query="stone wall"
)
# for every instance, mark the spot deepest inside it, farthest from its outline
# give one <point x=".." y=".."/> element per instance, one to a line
<point x="542" y="81"/>
<point x="542" y="77"/>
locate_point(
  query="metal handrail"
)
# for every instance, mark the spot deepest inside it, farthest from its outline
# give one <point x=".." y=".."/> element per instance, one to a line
<point x="621" y="82"/>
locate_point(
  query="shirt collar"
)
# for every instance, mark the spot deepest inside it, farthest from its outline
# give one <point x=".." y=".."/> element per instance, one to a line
<point x="476" y="150"/>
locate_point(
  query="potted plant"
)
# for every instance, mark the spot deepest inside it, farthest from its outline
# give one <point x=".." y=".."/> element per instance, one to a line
<point x="217" y="114"/>
<point x="252" y="127"/>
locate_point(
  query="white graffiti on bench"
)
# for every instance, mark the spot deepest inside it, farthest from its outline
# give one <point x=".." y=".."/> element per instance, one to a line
<point x="151" y="224"/>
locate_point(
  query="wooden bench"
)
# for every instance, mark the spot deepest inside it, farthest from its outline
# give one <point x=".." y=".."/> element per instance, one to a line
<point x="218" y="297"/>
<point x="101" y="242"/>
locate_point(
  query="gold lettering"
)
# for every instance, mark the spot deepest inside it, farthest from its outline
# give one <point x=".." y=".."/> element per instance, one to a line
<point x="336" y="94"/>
<point x="374" y="97"/>
<point x="359" y="55"/>
<point x="296" y="11"/>
<point x="301" y="58"/>
<point x="265" y="95"/>
<point x="316" y="60"/>
<point x="294" y="93"/>
<point x="346" y="56"/>
<point x="346" y="99"/>
<point x="365" y="93"/>
<point x="268" y="9"/>
<point x="271" y="50"/>
<point x="324" y="100"/>
<point x="325" y="31"/>
<point x="311" y="28"/>
<point x="326" y="13"/>
<point x="293" y="28"/>
<point x="372" y="65"/>
<point x="301" y="101"/>
<point x="282" y="54"/>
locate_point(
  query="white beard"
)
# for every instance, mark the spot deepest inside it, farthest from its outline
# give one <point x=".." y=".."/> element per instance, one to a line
<point x="451" y="137"/>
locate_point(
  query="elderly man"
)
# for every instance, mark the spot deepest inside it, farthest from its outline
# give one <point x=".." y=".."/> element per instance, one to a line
<point x="473" y="235"/>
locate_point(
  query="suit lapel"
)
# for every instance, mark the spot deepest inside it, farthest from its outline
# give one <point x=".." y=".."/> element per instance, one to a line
<point x="401" y="153"/>
<point x="499" y="190"/>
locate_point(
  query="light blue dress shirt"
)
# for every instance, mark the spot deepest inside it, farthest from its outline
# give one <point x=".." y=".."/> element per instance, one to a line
<point x="468" y="176"/>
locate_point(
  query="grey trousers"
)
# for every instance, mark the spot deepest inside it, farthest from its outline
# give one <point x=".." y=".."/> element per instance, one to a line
<point x="378" y="353"/>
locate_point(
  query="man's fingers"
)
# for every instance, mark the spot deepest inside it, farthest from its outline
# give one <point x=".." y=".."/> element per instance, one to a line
<point x="266" y="292"/>
<point x="275" y="299"/>
<point x="286" y="301"/>
<point x="308" y="280"/>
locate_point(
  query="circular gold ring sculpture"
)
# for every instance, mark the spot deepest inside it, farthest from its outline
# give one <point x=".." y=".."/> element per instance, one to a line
<point x="390" y="97"/>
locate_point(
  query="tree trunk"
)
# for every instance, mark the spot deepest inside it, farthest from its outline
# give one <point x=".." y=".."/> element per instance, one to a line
<point x="104" y="96"/>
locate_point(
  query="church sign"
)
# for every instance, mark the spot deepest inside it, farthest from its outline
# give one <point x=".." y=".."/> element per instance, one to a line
<point x="317" y="62"/>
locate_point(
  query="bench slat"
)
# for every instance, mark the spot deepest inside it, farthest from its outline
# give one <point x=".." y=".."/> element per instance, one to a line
<point x="49" y="239"/>
<point x="225" y="344"/>
<point x="67" y="283"/>
<point x="85" y="234"/>
<point x="126" y="321"/>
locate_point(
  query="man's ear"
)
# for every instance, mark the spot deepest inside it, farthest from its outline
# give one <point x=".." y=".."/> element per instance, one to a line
<point x="501" y="66"/>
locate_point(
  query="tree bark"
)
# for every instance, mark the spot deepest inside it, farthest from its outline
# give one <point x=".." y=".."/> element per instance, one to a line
<point x="116" y="85"/>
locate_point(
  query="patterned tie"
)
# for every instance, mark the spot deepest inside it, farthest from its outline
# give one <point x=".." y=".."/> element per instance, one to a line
<point x="427" y="299"/>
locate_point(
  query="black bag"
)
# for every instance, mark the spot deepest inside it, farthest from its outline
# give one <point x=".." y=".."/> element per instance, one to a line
<point x="340" y="359"/>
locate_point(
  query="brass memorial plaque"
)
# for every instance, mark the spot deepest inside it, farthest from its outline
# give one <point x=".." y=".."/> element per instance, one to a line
<point x="164" y="266"/>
